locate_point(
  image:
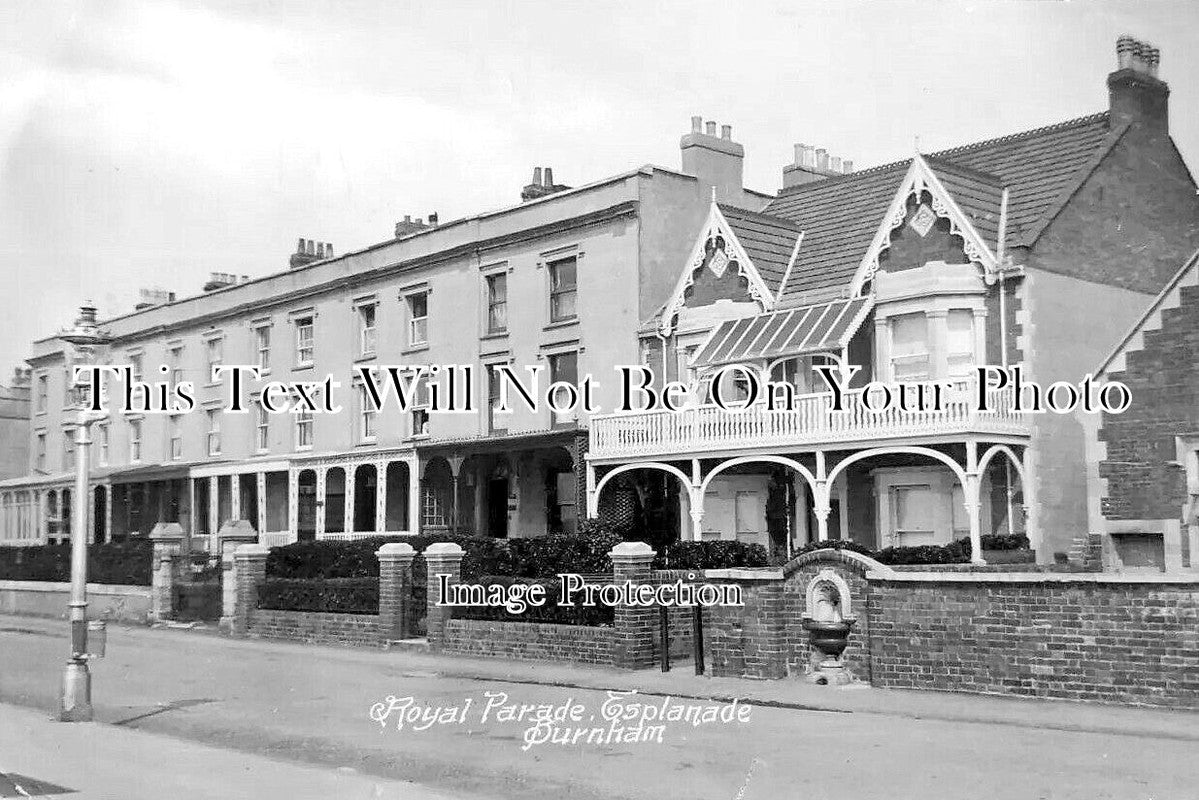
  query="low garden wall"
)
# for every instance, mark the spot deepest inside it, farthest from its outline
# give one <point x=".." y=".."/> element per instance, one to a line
<point x="318" y="627"/>
<point x="528" y="641"/>
<point x="1079" y="637"/>
<point x="1050" y="633"/>
<point x="49" y="599"/>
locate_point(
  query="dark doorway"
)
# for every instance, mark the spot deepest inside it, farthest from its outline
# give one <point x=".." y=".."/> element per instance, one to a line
<point x="306" y="506"/>
<point x="99" y="513"/>
<point x="497" y="507"/>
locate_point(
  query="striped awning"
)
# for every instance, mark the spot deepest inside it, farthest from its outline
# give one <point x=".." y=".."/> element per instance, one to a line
<point x="819" y="328"/>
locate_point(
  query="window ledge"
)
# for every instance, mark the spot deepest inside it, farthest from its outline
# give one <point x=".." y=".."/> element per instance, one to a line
<point x="562" y="323"/>
<point x="307" y="365"/>
<point x="495" y="335"/>
<point x="415" y="348"/>
<point x="365" y="357"/>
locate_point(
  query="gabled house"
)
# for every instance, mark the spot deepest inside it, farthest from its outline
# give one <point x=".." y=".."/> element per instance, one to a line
<point x="1036" y="250"/>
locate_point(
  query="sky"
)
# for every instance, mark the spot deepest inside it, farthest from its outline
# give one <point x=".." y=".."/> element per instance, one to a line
<point x="148" y="144"/>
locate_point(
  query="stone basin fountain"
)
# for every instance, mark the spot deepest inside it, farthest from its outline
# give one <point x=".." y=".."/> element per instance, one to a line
<point x="828" y="624"/>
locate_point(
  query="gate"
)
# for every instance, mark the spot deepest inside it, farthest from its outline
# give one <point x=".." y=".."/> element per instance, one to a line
<point x="197" y="588"/>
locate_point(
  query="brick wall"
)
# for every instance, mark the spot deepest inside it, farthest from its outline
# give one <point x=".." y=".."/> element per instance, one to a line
<point x="1144" y="479"/>
<point x="528" y="641"/>
<point x="1082" y="637"/>
<point x="364" y="630"/>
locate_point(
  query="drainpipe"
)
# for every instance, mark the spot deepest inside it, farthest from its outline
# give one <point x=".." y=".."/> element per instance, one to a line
<point x="1001" y="255"/>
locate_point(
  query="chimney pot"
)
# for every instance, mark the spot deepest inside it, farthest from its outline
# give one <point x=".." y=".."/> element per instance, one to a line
<point x="697" y="124"/>
<point x="536" y="176"/>
<point x="809" y="155"/>
<point x="432" y="220"/>
<point x="300" y="246"/>
<point x="726" y="131"/>
<point x="846" y="166"/>
<point x="549" y="177"/>
<point x="835" y="164"/>
<point x="799" y="155"/>
<point x="1126" y="47"/>
<point x="821" y="159"/>
<point x="710" y="128"/>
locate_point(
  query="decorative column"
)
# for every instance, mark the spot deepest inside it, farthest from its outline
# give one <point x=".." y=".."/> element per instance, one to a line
<point x="1032" y="525"/>
<point x="696" y="495"/>
<point x="455" y="463"/>
<point x="321" y="475"/>
<point x="820" y="498"/>
<point x="214" y="498"/>
<point x="249" y="572"/>
<point x="347" y="504"/>
<point x="633" y="627"/>
<point x="414" y="494"/>
<point x="395" y="589"/>
<point x="380" y="497"/>
<point x="293" y="504"/>
<point x="260" y="491"/>
<point x="972" y="501"/>
<point x="442" y="558"/>
<point x="592" y="500"/>
<point x="235" y="497"/>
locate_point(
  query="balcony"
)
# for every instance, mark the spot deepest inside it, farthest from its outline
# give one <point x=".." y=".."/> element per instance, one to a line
<point x="811" y="423"/>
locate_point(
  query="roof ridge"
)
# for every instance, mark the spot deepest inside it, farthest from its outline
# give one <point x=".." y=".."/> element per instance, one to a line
<point x="943" y="154"/>
<point x="1069" y="123"/>
<point x="726" y="208"/>
<point x="938" y="161"/>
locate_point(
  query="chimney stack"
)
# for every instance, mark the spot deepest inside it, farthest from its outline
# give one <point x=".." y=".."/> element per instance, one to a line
<point x="220" y="280"/>
<point x="541" y="186"/>
<point x="148" y="298"/>
<point x="813" y="164"/>
<point x="716" y="160"/>
<point x="1135" y="92"/>
<point x="308" y="252"/>
<point x="408" y="226"/>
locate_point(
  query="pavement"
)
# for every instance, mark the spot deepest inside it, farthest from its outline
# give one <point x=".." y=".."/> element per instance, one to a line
<point x="291" y="717"/>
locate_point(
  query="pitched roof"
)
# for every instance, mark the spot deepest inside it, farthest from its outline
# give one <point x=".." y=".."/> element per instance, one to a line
<point x="768" y="241"/>
<point x="1040" y="168"/>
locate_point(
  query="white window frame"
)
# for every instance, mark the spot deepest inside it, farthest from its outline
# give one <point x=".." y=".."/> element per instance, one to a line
<point x="176" y="355"/>
<point x="490" y="303"/>
<point x="103" y="435"/>
<point x="305" y="421"/>
<point x="262" y="347"/>
<point x="367" y="419"/>
<point x="43" y="393"/>
<point x="175" y="437"/>
<point x="418" y="326"/>
<point x="213" y="437"/>
<point x="40" y="452"/>
<point x="262" y="428"/>
<point x="305" y="354"/>
<point x="551" y="271"/>
<point x="213" y="344"/>
<point x="368" y="334"/>
<point x="135" y="441"/>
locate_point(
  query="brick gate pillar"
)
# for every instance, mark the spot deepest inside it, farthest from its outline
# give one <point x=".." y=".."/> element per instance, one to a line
<point x="633" y="629"/>
<point x="395" y="589"/>
<point x="442" y="558"/>
<point x="249" y="571"/>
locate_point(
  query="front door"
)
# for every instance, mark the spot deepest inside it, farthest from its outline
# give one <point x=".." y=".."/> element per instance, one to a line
<point x="497" y="507"/>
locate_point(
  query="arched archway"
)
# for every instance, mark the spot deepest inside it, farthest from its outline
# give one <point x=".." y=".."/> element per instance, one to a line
<point x="608" y="476"/>
<point x="366" y="479"/>
<point x="769" y="459"/>
<point x="957" y="468"/>
<point x="335" y="500"/>
<point x="395" y="514"/>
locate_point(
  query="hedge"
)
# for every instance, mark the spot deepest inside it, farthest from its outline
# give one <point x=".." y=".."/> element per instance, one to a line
<point x="712" y="555"/>
<point x="121" y="563"/>
<point x="956" y="552"/>
<point x="333" y="595"/>
<point x="597" y="615"/>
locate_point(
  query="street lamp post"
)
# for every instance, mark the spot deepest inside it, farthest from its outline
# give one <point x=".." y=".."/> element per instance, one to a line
<point x="76" y="679"/>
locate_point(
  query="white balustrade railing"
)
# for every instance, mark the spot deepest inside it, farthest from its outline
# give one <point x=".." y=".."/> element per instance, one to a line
<point x="809" y="421"/>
